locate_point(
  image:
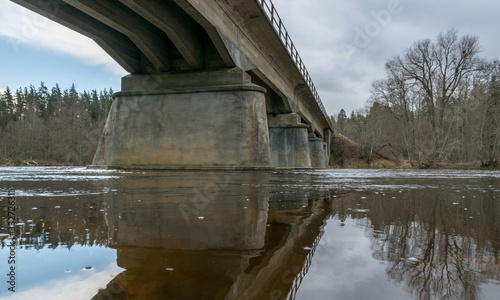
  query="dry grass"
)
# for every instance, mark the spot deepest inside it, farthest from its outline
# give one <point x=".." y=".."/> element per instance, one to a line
<point x="345" y="153"/>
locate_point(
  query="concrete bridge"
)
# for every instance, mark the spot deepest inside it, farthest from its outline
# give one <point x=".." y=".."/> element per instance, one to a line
<point x="212" y="84"/>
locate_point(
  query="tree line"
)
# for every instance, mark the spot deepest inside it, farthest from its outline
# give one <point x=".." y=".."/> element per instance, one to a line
<point x="439" y="101"/>
<point x="55" y="126"/>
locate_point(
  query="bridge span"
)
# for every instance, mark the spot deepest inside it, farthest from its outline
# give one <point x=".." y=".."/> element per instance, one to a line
<point x="212" y="84"/>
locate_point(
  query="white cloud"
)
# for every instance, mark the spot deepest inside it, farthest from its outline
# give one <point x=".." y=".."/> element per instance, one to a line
<point x="83" y="285"/>
<point x="23" y="27"/>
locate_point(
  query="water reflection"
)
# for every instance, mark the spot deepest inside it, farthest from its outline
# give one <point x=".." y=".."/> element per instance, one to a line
<point x="440" y="244"/>
<point x="219" y="236"/>
<point x="45" y="222"/>
<point x="262" y="235"/>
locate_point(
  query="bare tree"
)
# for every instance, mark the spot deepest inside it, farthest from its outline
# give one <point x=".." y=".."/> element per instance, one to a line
<point x="437" y="69"/>
<point x="397" y="93"/>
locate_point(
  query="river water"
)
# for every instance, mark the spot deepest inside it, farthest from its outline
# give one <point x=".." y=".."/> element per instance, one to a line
<point x="323" y="234"/>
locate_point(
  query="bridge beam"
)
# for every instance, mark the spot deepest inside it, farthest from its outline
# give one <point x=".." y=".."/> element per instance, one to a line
<point x="152" y="42"/>
<point x="182" y="30"/>
<point x="192" y="120"/>
<point x="116" y="44"/>
<point x="210" y="29"/>
<point x="309" y="109"/>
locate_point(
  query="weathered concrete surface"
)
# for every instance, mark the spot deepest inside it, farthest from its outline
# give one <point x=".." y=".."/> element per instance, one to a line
<point x="154" y="124"/>
<point x="184" y="81"/>
<point x="318" y="153"/>
<point x="288" y="141"/>
<point x="327" y="138"/>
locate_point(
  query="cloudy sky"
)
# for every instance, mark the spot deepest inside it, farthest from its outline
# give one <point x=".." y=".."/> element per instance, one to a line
<point x="344" y="43"/>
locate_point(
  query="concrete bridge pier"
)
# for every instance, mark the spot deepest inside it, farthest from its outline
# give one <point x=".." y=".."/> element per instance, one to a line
<point x="320" y="149"/>
<point x="318" y="152"/>
<point x="288" y="141"/>
<point x="187" y="120"/>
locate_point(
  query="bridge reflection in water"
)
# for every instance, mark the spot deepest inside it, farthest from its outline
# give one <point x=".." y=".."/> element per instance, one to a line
<point x="219" y="237"/>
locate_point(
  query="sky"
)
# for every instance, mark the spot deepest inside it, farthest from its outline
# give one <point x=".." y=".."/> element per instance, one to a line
<point x="343" y="43"/>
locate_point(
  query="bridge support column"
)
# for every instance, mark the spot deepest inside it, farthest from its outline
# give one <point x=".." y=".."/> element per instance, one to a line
<point x="192" y="120"/>
<point x="288" y="141"/>
<point x="318" y="153"/>
<point x="320" y="149"/>
<point x="327" y="139"/>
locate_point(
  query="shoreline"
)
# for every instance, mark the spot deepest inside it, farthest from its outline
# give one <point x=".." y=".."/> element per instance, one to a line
<point x="392" y="164"/>
<point x="346" y="164"/>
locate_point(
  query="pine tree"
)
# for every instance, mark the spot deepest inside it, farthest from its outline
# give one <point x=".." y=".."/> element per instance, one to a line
<point x="342" y="120"/>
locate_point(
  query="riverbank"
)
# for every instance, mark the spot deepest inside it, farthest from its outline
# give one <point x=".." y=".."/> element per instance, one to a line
<point x="5" y="162"/>
<point x="347" y="154"/>
<point x="348" y="163"/>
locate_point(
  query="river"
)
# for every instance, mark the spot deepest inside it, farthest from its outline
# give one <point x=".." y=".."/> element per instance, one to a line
<point x="308" y="234"/>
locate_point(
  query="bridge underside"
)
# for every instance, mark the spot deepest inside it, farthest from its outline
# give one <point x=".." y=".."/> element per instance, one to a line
<point x="211" y="85"/>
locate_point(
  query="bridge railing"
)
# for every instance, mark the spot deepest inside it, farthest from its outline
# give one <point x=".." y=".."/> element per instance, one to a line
<point x="279" y="28"/>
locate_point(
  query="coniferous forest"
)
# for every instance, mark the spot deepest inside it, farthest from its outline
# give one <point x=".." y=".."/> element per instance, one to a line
<point x="52" y="126"/>
<point x="438" y="102"/>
